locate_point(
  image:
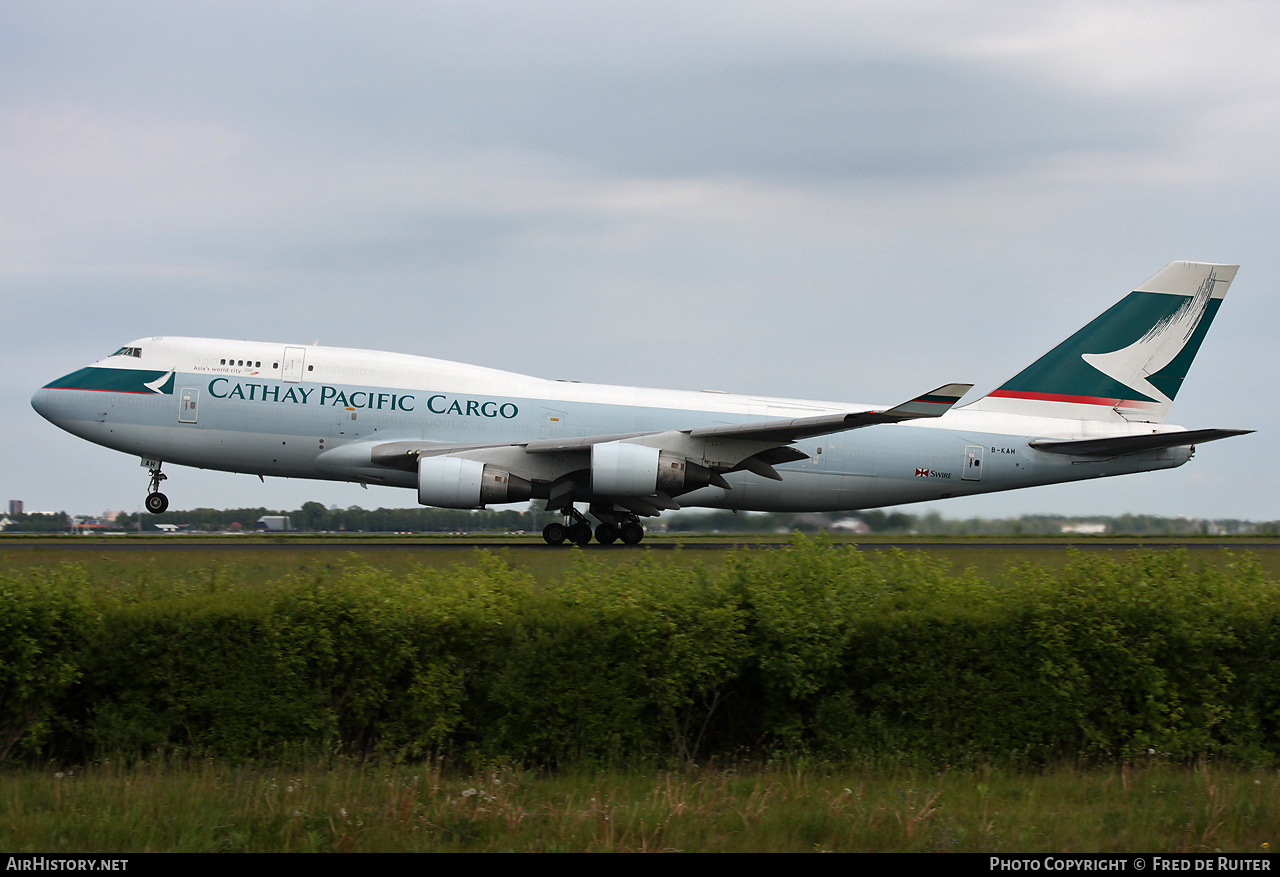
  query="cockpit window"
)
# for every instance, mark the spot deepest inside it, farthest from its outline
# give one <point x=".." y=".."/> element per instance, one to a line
<point x="129" y="351"/>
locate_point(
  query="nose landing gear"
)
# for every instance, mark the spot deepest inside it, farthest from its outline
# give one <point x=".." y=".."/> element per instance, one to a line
<point x="156" y="502"/>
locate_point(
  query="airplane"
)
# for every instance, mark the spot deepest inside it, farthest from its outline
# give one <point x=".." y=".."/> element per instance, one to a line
<point x="465" y="436"/>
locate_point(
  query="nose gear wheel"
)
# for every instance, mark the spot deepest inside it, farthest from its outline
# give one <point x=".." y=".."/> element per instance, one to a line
<point x="156" y="502"/>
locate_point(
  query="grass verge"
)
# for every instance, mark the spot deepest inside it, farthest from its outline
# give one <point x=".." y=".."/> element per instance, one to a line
<point x="205" y="806"/>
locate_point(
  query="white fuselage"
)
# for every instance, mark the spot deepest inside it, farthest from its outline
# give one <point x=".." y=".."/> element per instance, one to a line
<point x="320" y="412"/>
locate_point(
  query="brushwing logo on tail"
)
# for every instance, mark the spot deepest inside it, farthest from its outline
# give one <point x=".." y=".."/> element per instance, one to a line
<point x="1129" y="362"/>
<point x="1159" y="347"/>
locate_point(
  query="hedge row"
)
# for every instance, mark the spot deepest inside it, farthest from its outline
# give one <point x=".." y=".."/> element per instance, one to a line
<point x="813" y="648"/>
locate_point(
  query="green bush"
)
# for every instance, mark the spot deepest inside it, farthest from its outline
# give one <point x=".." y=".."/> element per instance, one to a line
<point x="45" y="619"/>
<point x="812" y="649"/>
<point x="614" y="663"/>
<point x="355" y="660"/>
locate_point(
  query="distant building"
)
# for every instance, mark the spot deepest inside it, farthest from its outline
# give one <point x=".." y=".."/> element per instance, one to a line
<point x="84" y="525"/>
<point x="1084" y="529"/>
<point x="273" y="524"/>
<point x="15" y="506"/>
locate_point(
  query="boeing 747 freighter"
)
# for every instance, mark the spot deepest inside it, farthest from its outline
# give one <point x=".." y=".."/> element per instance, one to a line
<point x="464" y="436"/>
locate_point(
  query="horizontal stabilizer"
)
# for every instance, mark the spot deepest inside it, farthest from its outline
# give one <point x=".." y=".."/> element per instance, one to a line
<point x="935" y="403"/>
<point x="1134" y="444"/>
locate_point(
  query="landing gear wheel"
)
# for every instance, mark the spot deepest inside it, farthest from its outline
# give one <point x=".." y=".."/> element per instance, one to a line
<point x="554" y="534"/>
<point x="607" y="534"/>
<point x="156" y="502"/>
<point x="632" y="533"/>
<point x="580" y="534"/>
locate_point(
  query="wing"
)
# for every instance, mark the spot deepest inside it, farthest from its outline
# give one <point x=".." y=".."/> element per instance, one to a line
<point x="642" y="471"/>
<point x="935" y="403"/>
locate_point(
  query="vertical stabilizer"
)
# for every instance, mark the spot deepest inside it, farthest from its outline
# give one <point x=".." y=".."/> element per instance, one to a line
<point x="1128" y="364"/>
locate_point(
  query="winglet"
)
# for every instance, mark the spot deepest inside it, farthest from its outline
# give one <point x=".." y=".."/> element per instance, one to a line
<point x="934" y="403"/>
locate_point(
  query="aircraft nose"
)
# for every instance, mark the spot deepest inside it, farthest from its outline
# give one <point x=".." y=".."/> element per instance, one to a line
<point x="41" y="402"/>
<point x="49" y="405"/>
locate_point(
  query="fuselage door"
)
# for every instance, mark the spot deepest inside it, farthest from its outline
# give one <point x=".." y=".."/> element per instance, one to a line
<point x="552" y="425"/>
<point x="972" y="463"/>
<point x="294" y="362"/>
<point x="188" y="405"/>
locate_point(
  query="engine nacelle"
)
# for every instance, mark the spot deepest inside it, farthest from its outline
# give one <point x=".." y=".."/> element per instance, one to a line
<point x="623" y="469"/>
<point x="455" y="483"/>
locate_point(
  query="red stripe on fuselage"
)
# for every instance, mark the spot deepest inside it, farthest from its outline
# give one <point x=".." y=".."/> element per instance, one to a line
<point x="1059" y="397"/>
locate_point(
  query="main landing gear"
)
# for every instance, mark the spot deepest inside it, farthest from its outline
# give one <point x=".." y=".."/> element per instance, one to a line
<point x="577" y="529"/>
<point x="156" y="502"/>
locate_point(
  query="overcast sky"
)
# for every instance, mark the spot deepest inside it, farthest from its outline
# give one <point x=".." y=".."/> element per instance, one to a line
<point x="853" y="201"/>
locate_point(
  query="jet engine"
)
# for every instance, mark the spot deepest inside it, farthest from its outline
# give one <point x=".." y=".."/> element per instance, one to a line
<point x="455" y="483"/>
<point x="624" y="469"/>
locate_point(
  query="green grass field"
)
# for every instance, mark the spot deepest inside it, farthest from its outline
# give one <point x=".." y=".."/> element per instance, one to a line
<point x="529" y="553"/>
<point x="347" y="807"/>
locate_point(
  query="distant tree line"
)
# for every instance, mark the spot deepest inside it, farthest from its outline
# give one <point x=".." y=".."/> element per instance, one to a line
<point x="1117" y="525"/>
<point x="891" y="522"/>
<point x="38" y="523"/>
<point x="315" y="517"/>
